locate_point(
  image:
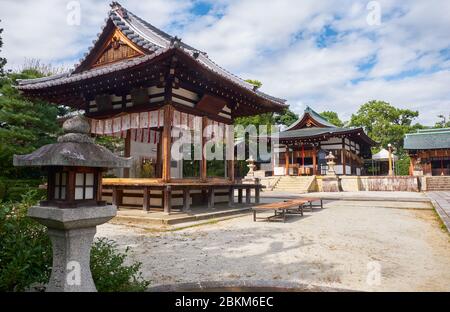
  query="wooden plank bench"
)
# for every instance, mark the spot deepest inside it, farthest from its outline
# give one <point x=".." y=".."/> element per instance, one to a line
<point x="310" y="202"/>
<point x="281" y="209"/>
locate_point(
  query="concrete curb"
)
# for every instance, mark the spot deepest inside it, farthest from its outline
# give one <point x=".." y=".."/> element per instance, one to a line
<point x="245" y="286"/>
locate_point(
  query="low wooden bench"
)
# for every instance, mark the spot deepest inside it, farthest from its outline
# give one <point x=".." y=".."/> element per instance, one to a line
<point x="281" y="209"/>
<point x="311" y="202"/>
<point x="294" y="206"/>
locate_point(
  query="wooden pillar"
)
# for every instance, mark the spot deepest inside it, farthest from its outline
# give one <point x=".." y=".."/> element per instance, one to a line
<point x="231" y="197"/>
<point x="314" y="159"/>
<point x="167" y="199"/>
<point x="230" y="153"/>
<point x="286" y="159"/>
<point x="159" y="164"/>
<point x="117" y="197"/>
<point x="126" y="171"/>
<point x="343" y="161"/>
<point x="211" y="197"/>
<point x="186" y="200"/>
<point x="248" y="195"/>
<point x="411" y="166"/>
<point x="240" y="196"/>
<point x="146" y="199"/>
<point x="203" y="163"/>
<point x="303" y="158"/>
<point x="166" y="143"/>
<point x="257" y="194"/>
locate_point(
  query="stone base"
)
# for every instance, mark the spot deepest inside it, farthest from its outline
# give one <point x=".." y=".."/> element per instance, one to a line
<point x="71" y="232"/>
<point x="331" y="184"/>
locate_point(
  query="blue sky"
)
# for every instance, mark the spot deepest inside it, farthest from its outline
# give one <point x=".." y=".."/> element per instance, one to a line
<point x="326" y="54"/>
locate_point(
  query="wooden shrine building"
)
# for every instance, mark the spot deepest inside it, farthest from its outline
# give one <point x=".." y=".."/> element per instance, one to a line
<point x="140" y="83"/>
<point x="429" y="152"/>
<point x="305" y="144"/>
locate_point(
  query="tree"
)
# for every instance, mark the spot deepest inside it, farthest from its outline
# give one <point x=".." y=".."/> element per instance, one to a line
<point x="385" y="123"/>
<point x="333" y="118"/>
<point x="2" y="59"/>
<point x="443" y="123"/>
<point x="286" y="118"/>
<point x="25" y="125"/>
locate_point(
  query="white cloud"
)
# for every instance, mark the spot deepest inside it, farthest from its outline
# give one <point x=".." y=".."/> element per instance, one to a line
<point x="276" y="42"/>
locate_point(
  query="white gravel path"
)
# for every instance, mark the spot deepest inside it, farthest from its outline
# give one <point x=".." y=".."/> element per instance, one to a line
<point x="332" y="247"/>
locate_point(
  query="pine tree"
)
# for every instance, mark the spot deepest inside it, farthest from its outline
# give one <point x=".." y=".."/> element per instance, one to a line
<point x="2" y="59"/>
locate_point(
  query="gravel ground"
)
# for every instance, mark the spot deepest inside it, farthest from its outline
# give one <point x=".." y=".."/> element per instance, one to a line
<point x="341" y="246"/>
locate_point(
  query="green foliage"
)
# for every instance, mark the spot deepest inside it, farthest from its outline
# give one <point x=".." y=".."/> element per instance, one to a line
<point x="2" y="59"/>
<point x="109" y="271"/>
<point x="333" y="118"/>
<point x="443" y="123"/>
<point x="402" y="165"/>
<point x="12" y="190"/>
<point x="115" y="145"/>
<point x="24" y="125"/>
<point x="26" y="254"/>
<point x="25" y="249"/>
<point x="287" y="118"/>
<point x="385" y="123"/>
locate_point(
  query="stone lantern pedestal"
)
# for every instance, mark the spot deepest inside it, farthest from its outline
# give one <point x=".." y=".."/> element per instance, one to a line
<point x="71" y="231"/>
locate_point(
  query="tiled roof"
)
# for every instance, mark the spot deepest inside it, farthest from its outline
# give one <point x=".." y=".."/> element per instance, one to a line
<point x="154" y="42"/>
<point x="428" y="139"/>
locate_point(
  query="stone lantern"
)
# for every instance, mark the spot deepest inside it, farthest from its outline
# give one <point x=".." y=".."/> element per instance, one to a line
<point x="251" y="167"/>
<point x="331" y="182"/>
<point x="74" y="205"/>
<point x="331" y="164"/>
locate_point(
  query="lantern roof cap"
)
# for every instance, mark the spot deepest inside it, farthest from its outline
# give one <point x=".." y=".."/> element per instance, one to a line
<point x="74" y="148"/>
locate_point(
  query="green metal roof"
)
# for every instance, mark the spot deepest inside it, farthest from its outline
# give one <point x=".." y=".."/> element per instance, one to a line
<point x="315" y="115"/>
<point x="310" y="132"/>
<point x="428" y="139"/>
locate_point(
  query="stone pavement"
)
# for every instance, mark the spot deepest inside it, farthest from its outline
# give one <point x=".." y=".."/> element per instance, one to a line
<point x="441" y="201"/>
<point x="359" y="196"/>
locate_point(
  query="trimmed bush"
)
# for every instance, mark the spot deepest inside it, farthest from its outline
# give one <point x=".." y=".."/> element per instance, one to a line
<point x="26" y="254"/>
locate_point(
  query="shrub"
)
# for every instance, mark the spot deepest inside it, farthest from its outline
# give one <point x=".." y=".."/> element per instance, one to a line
<point x="109" y="270"/>
<point x="26" y="254"/>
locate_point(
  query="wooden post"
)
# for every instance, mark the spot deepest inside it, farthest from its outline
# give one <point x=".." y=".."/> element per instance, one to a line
<point x="203" y="163"/>
<point x="314" y="159"/>
<point x="257" y="194"/>
<point x="411" y="166"/>
<point x="248" y="195"/>
<point x="146" y="199"/>
<point x="126" y="171"/>
<point x="167" y="199"/>
<point x="286" y="159"/>
<point x="186" y="200"/>
<point x="240" y="196"/>
<point x="344" y="169"/>
<point x="166" y="143"/>
<point x="211" y="198"/>
<point x="159" y="164"/>
<point x="231" y="197"/>
<point x="230" y="153"/>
